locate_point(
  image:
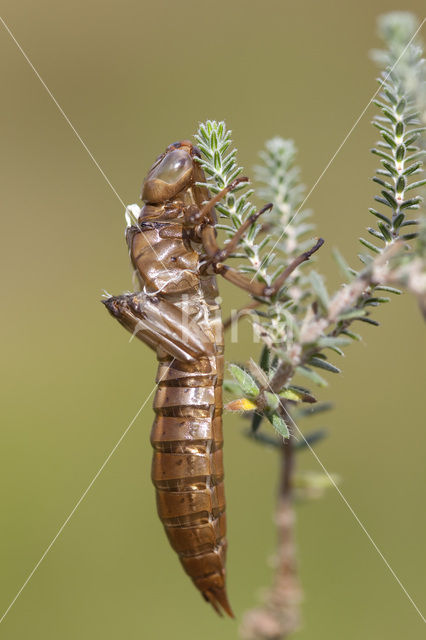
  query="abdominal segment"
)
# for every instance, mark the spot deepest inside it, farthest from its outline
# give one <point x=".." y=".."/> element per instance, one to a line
<point x="187" y="470"/>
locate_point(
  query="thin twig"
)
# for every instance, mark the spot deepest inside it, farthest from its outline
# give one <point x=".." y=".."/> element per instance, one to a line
<point x="279" y="615"/>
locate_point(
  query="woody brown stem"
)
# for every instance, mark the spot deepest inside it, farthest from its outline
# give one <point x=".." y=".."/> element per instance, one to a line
<point x="279" y="615"/>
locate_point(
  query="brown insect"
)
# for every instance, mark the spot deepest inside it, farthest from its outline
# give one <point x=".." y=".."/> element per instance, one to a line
<point x="175" y="255"/>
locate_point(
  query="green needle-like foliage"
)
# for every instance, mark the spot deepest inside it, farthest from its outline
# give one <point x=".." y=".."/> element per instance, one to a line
<point x="220" y="165"/>
<point x="303" y="323"/>
<point x="288" y="225"/>
<point x="400" y="175"/>
<point x="304" y="327"/>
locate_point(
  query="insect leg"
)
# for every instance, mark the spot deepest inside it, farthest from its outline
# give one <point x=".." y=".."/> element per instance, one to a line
<point x="195" y="216"/>
<point x="278" y="283"/>
<point x="222" y="254"/>
<point x="159" y="323"/>
<point x="254" y="287"/>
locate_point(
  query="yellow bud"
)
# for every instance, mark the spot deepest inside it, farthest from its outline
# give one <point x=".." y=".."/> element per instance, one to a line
<point x="289" y="394"/>
<point x="243" y="404"/>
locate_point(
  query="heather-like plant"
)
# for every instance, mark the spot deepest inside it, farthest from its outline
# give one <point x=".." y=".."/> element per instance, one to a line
<point x="304" y="327"/>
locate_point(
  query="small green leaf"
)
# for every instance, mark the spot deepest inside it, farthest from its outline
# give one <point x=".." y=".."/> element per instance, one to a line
<point x="400" y="152"/>
<point x="319" y="288"/>
<point x="213" y="140"/>
<point x="409" y="117"/>
<point x="389" y="115"/>
<point x="256" y="421"/>
<point x="380" y="126"/>
<point x="385" y="231"/>
<point x="352" y="335"/>
<point x="375" y="233"/>
<point x="311" y="375"/>
<point x="390" y="96"/>
<point x="390" y="199"/>
<point x="399" y="129"/>
<point x="310" y="439"/>
<point x="232" y="387"/>
<point x="381" y="182"/>
<point x="265" y="359"/>
<point x="381" y="216"/>
<point x="332" y="342"/>
<point x="378" y="103"/>
<point x="323" y="364"/>
<point x="375" y="300"/>
<point x="383" y="287"/>
<point x="216" y="160"/>
<point x="370" y="321"/>
<point x="398" y="220"/>
<point x="246" y="382"/>
<point x="416" y="131"/>
<point x="354" y="314"/>
<point x="308" y="412"/>
<point x="400" y="184"/>
<point x="382" y="154"/>
<point x="388" y="139"/>
<point x="272" y="401"/>
<point x="341" y="262"/>
<point x="401" y="106"/>
<point x="415" y="185"/>
<point x="304" y="394"/>
<point x="412" y="168"/>
<point x="390" y="168"/>
<point x="410" y="236"/>
<point x="407" y="204"/>
<point x="289" y="394"/>
<point x="369" y="245"/>
<point x="279" y="425"/>
<point x="264" y="439"/>
<point x="365" y="259"/>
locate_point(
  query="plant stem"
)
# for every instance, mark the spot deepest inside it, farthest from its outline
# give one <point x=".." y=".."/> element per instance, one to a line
<point x="279" y="616"/>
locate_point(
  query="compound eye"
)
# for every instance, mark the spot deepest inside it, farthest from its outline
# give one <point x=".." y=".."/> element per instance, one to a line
<point x="173" y="167"/>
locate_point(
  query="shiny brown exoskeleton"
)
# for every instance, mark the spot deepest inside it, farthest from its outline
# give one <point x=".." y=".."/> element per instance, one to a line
<point x="176" y="258"/>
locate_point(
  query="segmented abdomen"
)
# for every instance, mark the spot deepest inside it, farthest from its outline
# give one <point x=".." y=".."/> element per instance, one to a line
<point x="187" y="469"/>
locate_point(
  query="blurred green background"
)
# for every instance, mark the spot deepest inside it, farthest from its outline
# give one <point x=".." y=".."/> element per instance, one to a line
<point x="133" y="77"/>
